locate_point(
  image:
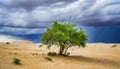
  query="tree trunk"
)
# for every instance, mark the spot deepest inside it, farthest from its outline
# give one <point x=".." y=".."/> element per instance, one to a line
<point x="61" y="50"/>
<point x="66" y="50"/>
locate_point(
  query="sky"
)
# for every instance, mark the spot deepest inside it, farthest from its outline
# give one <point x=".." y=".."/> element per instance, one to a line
<point x="28" y="19"/>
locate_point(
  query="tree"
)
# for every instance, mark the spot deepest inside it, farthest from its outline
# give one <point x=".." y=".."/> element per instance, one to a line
<point x="64" y="35"/>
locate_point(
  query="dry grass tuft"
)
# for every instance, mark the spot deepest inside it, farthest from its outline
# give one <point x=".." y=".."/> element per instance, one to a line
<point x="48" y="58"/>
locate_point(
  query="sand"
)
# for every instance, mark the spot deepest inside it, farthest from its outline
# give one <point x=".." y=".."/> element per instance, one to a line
<point x="94" y="56"/>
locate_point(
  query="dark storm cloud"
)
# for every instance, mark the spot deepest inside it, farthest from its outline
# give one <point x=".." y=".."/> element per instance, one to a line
<point x="30" y="4"/>
<point x="40" y="13"/>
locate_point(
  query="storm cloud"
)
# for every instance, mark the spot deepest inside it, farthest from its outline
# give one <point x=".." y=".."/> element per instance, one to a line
<point x="25" y="15"/>
<point x="30" y="4"/>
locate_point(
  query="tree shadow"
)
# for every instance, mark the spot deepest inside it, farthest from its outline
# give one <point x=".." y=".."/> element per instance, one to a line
<point x="100" y="61"/>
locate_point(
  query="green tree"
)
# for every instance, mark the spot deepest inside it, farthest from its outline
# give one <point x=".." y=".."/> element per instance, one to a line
<point x="64" y="35"/>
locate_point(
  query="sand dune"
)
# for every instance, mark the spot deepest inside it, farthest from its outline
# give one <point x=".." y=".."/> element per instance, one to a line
<point x="94" y="56"/>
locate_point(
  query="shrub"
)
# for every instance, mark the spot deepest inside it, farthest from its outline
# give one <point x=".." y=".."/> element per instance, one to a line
<point x="15" y="53"/>
<point x="7" y="42"/>
<point x="40" y="45"/>
<point x="51" y="53"/>
<point x="16" y="61"/>
<point x="34" y="53"/>
<point x="48" y="58"/>
<point x="113" y="46"/>
<point x="43" y="54"/>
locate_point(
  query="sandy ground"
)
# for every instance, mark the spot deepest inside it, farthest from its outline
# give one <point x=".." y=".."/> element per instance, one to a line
<point x="94" y="56"/>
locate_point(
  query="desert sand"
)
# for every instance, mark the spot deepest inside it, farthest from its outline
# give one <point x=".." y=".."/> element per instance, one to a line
<point x="94" y="56"/>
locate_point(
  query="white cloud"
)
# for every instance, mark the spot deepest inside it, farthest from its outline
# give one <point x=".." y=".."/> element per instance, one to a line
<point x="21" y="31"/>
<point x="7" y="38"/>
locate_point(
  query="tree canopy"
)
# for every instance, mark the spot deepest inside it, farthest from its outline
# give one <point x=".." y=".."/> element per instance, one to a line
<point x="64" y="35"/>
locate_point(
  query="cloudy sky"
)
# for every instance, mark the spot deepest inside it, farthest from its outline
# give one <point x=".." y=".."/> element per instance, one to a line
<point x="27" y="17"/>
